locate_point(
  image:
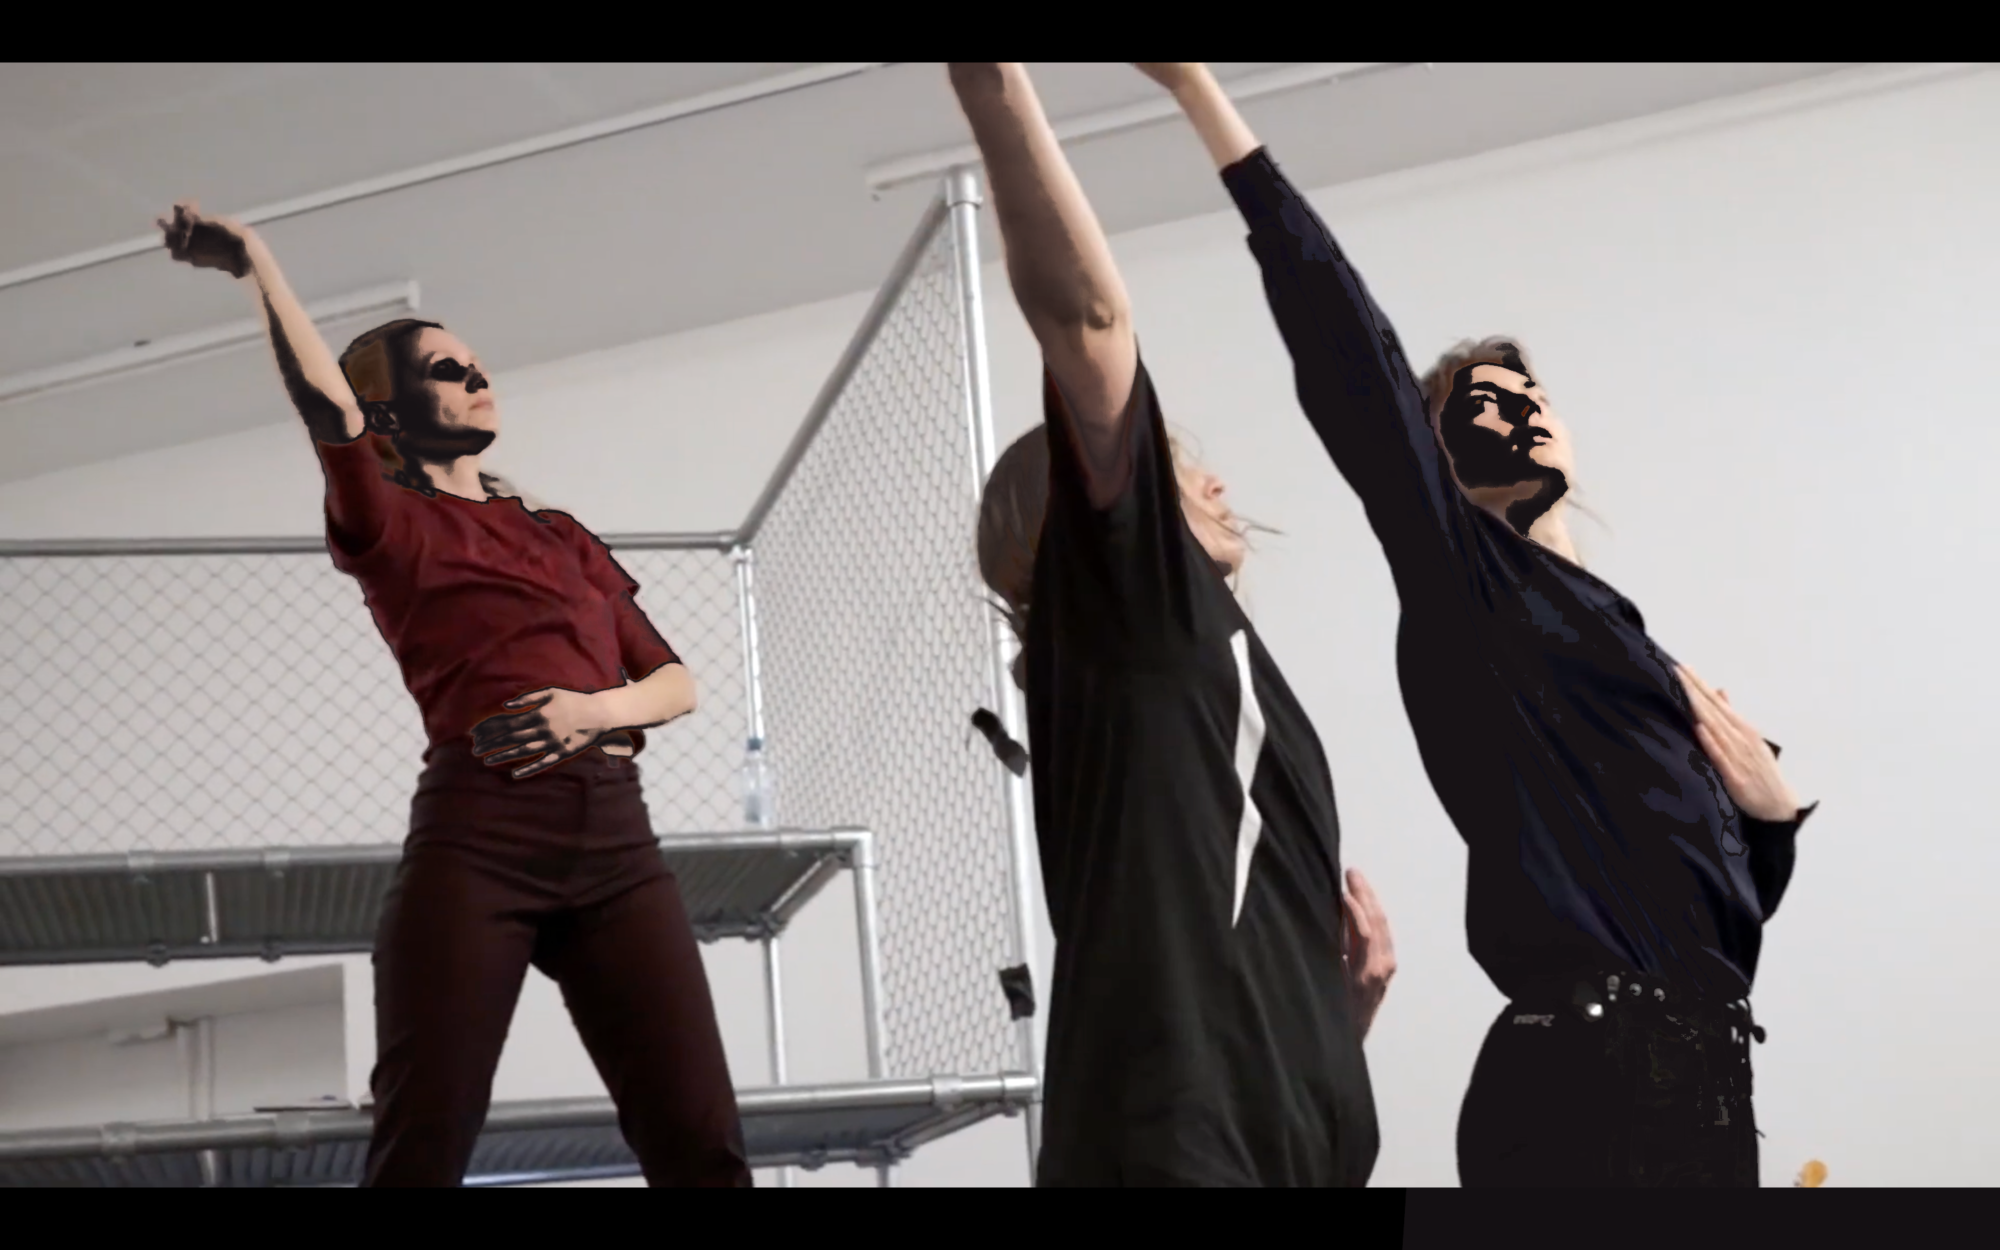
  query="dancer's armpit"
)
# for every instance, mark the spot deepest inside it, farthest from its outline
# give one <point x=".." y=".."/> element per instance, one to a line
<point x="1103" y="452"/>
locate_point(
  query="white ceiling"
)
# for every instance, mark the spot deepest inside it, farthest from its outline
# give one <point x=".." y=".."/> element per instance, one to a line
<point x="696" y="221"/>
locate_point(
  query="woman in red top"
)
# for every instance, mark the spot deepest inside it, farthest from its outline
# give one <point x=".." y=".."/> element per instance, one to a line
<point x="529" y="839"/>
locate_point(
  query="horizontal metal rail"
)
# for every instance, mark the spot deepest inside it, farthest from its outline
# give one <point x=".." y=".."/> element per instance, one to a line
<point x="959" y="1100"/>
<point x="315" y="545"/>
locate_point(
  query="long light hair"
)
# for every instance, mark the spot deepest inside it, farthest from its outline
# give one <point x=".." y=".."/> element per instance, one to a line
<point x="1011" y="511"/>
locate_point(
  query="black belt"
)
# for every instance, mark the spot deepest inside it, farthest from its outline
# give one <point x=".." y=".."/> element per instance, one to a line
<point x="1595" y="996"/>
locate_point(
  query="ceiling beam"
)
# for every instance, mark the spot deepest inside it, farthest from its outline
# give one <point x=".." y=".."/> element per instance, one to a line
<point x="1159" y="108"/>
<point x="708" y="102"/>
<point x="150" y="354"/>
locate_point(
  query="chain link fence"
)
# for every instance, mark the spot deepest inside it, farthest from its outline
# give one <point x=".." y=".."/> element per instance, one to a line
<point x="246" y="699"/>
<point x="875" y="649"/>
<point x="243" y="697"/>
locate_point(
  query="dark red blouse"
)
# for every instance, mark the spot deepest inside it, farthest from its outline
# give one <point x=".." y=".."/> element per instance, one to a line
<point x="482" y="602"/>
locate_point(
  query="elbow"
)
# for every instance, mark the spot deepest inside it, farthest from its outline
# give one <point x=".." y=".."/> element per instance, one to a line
<point x="1076" y="320"/>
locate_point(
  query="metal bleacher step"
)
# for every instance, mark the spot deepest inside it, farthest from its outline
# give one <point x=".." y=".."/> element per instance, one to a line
<point x="873" y="1123"/>
<point x="162" y="906"/>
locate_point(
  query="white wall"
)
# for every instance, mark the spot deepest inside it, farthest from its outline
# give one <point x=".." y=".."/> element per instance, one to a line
<point x="1762" y="334"/>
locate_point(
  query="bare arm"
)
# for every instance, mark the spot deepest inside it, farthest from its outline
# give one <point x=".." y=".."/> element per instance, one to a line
<point x="312" y="377"/>
<point x="356" y="497"/>
<point x="1058" y="262"/>
<point x="667" y="693"/>
<point x="552" y="725"/>
<point x="1207" y="107"/>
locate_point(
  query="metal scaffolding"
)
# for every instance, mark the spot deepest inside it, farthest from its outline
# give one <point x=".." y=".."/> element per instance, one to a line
<point x="876" y="1123"/>
<point x="846" y="607"/>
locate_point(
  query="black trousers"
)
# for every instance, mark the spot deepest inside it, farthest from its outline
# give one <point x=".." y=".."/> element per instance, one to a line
<point x="1611" y="1081"/>
<point x="558" y="871"/>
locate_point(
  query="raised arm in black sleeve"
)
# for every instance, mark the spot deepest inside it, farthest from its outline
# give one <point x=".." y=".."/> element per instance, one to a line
<point x="1353" y="381"/>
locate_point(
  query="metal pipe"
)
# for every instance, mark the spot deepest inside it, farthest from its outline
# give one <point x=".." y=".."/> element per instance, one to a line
<point x="153" y="863"/>
<point x="315" y="545"/>
<point x="308" y="1128"/>
<point x="212" y="921"/>
<point x="867" y="925"/>
<point x="774" y="1000"/>
<point x="908" y="169"/>
<point x="202" y="1094"/>
<point x="746" y="614"/>
<point x="962" y="195"/>
<point x="707" y="102"/>
<point x="850" y="359"/>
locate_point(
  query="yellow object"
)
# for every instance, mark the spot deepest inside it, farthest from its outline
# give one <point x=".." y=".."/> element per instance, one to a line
<point x="1811" y="1176"/>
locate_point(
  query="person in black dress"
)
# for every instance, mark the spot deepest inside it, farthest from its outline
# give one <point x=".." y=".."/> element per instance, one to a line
<point x="1629" y="832"/>
<point x="1203" y="1028"/>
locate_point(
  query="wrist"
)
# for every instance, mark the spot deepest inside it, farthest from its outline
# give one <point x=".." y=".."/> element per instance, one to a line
<point x="257" y="261"/>
<point x="611" y="710"/>
<point x="1785" y="813"/>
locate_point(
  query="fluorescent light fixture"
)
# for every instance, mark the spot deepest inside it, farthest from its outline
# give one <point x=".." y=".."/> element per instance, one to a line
<point x="158" y="353"/>
<point x="910" y="169"/>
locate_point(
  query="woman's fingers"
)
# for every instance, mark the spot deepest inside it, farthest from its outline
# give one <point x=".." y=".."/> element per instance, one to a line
<point x="541" y="765"/>
<point x="501" y="726"/>
<point x="1707" y="709"/>
<point x="507" y="736"/>
<point x="1723" y="757"/>
<point x="1731" y="720"/>
<point x="1357" y="919"/>
<point x="1364" y="894"/>
<point x="524" y="751"/>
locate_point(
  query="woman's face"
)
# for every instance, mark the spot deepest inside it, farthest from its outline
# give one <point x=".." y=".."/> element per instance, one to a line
<point x="1500" y="433"/>
<point x="1203" y="500"/>
<point x="450" y="388"/>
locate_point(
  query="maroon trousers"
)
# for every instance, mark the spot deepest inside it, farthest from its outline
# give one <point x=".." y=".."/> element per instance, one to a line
<point x="560" y="871"/>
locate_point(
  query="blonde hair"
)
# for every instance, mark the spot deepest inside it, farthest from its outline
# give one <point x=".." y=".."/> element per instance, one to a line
<point x="1012" y="509"/>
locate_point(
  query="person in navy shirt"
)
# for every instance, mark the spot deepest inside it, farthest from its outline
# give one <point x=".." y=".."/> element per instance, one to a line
<point x="1629" y="833"/>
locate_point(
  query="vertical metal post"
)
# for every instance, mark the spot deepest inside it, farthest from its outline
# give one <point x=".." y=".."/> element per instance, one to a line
<point x="867" y="924"/>
<point x="746" y="612"/>
<point x="745" y="560"/>
<point x="774" y="999"/>
<point x="197" y="1040"/>
<point x="963" y="200"/>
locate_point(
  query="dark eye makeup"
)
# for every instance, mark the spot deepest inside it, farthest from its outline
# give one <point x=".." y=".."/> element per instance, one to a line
<point x="449" y="371"/>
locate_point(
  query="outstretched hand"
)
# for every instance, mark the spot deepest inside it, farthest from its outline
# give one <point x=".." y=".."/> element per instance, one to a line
<point x="555" y="724"/>
<point x="1370" y="954"/>
<point x="1745" y="761"/>
<point x="207" y="242"/>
